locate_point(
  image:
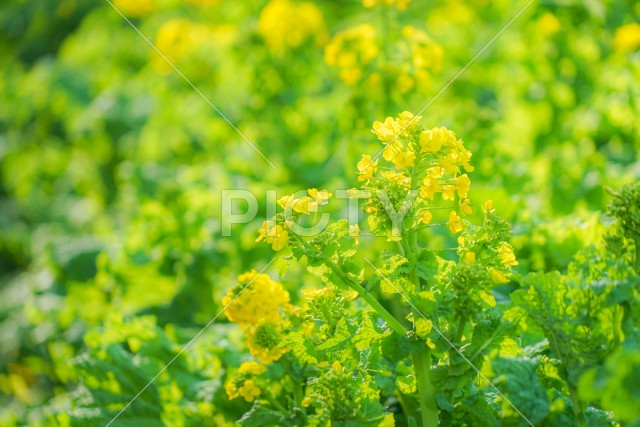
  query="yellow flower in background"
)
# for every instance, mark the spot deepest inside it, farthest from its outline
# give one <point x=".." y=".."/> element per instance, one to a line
<point x="260" y="301"/>
<point x="469" y="257"/>
<point x="366" y="168"/>
<point x="400" y="4"/>
<point x="548" y="24"/>
<point x="273" y="234"/>
<point x="351" y="50"/>
<point x="426" y="54"/>
<point x="498" y="276"/>
<point x="424" y="216"/>
<point x="455" y="223"/>
<point x="627" y="38"/>
<point x="507" y="257"/>
<point x="249" y="391"/>
<point x="252" y="368"/>
<point x="178" y="39"/>
<point x="135" y="8"/>
<point x="284" y="23"/>
<point x="465" y="206"/>
<point x="488" y="206"/>
<point x="231" y="389"/>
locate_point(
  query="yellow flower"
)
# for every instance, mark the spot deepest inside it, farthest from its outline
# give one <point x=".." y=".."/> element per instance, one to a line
<point x="252" y="368"/>
<point x="400" y="4"/>
<point x="548" y="24"/>
<point x="284" y="23"/>
<point x="319" y="197"/>
<point x="465" y="206"/>
<point x="397" y="177"/>
<point x="432" y="140"/>
<point x="469" y="257"/>
<point x="429" y="188"/>
<point x="507" y="257"/>
<point x="448" y="192"/>
<point x="498" y="276"/>
<point x="263" y="341"/>
<point x="336" y="366"/>
<point x="462" y="184"/>
<point x="273" y="234"/>
<point x="178" y="39"/>
<point x="627" y="38"/>
<point x="354" y="231"/>
<point x="392" y="149"/>
<point x="455" y="223"/>
<point x="260" y="301"/>
<point x="424" y="216"/>
<point x="386" y="131"/>
<point x="404" y="159"/>
<point x="303" y="205"/>
<point x="317" y="293"/>
<point x="488" y="206"/>
<point x="231" y="389"/>
<point x="351" y="50"/>
<point x="249" y="391"/>
<point x="367" y="168"/>
<point x="306" y="402"/>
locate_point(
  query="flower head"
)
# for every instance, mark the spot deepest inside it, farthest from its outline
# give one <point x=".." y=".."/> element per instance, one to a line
<point x="507" y="257"/>
<point x="249" y="391"/>
<point x="455" y="223"/>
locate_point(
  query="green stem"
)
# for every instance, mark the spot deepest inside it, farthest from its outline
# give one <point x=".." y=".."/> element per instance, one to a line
<point x="276" y="404"/>
<point x="426" y="393"/>
<point x="421" y="360"/>
<point x="577" y="407"/>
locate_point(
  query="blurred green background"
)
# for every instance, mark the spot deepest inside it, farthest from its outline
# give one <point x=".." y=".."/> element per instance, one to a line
<point x="112" y="166"/>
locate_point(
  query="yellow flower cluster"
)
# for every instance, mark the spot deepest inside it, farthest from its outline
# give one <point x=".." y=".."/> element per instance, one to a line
<point x="284" y="23"/>
<point x="257" y="304"/>
<point x="178" y="39"/>
<point x="243" y="385"/>
<point x="273" y="234"/>
<point x="400" y="4"/>
<point x="627" y="38"/>
<point x="351" y="50"/>
<point x="431" y="161"/>
<point x="260" y="301"/>
<point x="277" y="235"/>
<point x="425" y="59"/>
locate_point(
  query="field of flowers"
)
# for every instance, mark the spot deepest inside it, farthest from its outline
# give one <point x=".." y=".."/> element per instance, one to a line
<point x="324" y="213"/>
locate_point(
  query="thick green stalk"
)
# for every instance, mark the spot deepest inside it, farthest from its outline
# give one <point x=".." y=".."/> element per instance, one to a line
<point x="426" y="393"/>
<point x="421" y="360"/>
